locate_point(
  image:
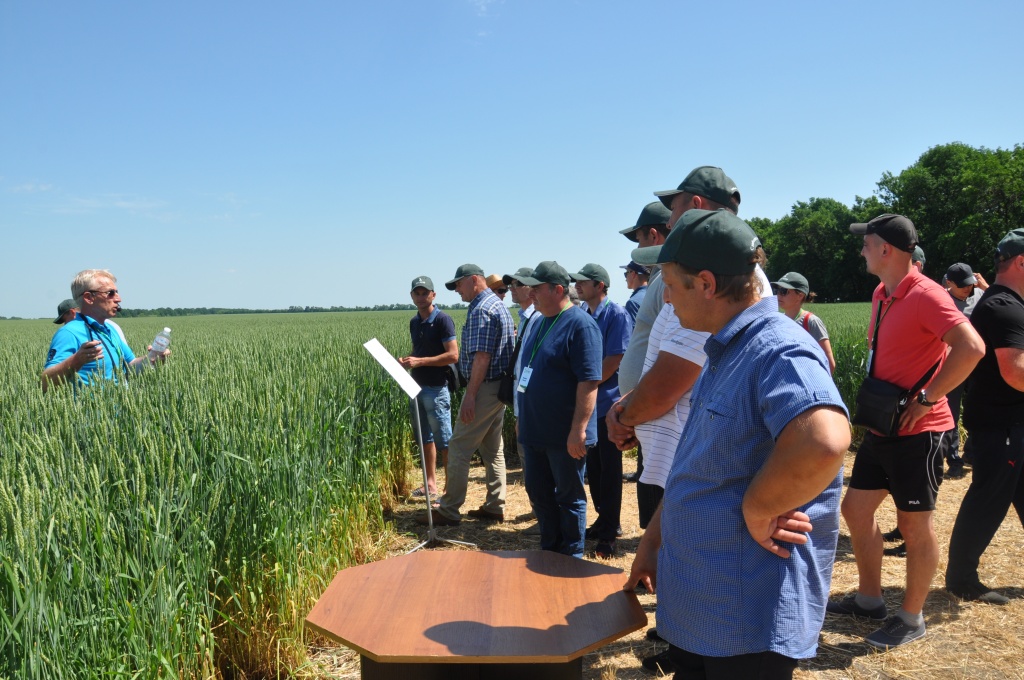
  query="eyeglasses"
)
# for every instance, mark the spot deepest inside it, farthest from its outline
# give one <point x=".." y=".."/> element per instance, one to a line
<point x="516" y="285"/>
<point x="109" y="294"/>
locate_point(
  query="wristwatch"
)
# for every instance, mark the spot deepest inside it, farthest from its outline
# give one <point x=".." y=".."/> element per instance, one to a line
<point x="922" y="399"/>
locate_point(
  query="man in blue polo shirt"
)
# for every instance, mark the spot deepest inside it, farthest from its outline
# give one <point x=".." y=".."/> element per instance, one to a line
<point x="557" y="391"/>
<point x="86" y="349"/>
<point x="742" y="546"/>
<point x="433" y="350"/>
<point x="604" y="460"/>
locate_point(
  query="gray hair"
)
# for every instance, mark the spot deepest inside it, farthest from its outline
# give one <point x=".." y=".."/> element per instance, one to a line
<point x="85" y="281"/>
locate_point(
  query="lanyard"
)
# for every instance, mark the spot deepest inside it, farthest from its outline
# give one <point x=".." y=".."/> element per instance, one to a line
<point x="538" y="341"/>
<point x="98" y="335"/>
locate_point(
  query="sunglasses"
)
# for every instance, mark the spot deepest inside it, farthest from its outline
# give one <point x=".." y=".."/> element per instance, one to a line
<point x="109" y="294"/>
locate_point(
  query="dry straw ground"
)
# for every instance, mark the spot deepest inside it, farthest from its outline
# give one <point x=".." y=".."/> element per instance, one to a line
<point x="965" y="639"/>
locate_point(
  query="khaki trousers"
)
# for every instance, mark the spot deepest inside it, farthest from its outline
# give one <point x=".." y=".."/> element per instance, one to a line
<point x="483" y="434"/>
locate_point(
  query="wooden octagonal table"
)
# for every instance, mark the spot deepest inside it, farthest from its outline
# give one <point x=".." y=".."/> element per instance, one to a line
<point x="476" y="614"/>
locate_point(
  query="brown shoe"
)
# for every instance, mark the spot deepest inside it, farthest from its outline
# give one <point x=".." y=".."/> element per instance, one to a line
<point x="480" y="513"/>
<point x="439" y="520"/>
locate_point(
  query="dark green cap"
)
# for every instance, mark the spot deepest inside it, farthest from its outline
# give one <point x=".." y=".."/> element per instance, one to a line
<point x="707" y="181"/>
<point x="654" y="214"/>
<point x="63" y="308"/>
<point x="646" y="256"/>
<point x="462" y="272"/>
<point x="715" y="240"/>
<point x="1011" y="246"/>
<point x="918" y="255"/>
<point x="422" y="282"/>
<point x="547" y="272"/>
<point x="522" y="272"/>
<point x="592" y="272"/>
<point x="794" y="281"/>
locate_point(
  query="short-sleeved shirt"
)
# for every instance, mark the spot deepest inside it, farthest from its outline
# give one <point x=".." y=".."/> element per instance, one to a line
<point x="967" y="306"/>
<point x="812" y="324"/>
<point x="488" y="328"/>
<point x="428" y="338"/>
<point x="632" y="305"/>
<point x="82" y="329"/>
<point x="914" y="321"/>
<point x="615" y="326"/>
<point x="632" y="365"/>
<point x="990" y="401"/>
<point x="719" y="592"/>
<point x="563" y="351"/>
<point x="660" y="437"/>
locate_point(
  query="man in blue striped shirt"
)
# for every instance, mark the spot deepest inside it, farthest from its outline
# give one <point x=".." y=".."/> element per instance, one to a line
<point x="488" y="338"/>
<point x="742" y="546"/>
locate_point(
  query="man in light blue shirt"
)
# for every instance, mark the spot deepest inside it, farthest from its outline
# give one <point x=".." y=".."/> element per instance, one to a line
<point x="742" y="547"/>
<point x="86" y="348"/>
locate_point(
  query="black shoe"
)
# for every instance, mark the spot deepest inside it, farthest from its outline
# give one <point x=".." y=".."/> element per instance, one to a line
<point x="658" y="663"/>
<point x="896" y="551"/>
<point x="893" y="633"/>
<point x="956" y="472"/>
<point x="979" y="592"/>
<point x="894" y="535"/>
<point x="652" y="634"/>
<point x="631" y="477"/>
<point x="848" y="607"/>
<point x="605" y="549"/>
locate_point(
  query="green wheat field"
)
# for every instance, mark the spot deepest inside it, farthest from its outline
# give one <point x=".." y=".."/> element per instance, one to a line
<point x="184" y="523"/>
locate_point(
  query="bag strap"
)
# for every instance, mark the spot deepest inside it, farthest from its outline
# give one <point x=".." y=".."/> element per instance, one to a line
<point x="805" y="321"/>
<point x="519" y="343"/>
<point x="874" y="348"/>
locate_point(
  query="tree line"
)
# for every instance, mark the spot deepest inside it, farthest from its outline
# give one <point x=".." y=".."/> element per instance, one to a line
<point x="962" y="200"/>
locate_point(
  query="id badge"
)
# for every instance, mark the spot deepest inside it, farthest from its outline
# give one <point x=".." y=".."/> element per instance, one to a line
<point x="524" y="379"/>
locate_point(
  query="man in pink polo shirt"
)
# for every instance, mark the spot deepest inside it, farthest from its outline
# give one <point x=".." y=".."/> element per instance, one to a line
<point x="919" y="322"/>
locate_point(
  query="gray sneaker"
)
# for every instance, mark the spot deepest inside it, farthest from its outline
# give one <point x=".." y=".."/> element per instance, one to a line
<point x="848" y="607"/>
<point x="893" y="633"/>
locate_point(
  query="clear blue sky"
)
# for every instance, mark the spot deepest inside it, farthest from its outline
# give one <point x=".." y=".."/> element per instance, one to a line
<point x="267" y="154"/>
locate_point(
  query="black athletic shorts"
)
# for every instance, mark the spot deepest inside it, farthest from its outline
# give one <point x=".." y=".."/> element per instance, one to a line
<point x="910" y="468"/>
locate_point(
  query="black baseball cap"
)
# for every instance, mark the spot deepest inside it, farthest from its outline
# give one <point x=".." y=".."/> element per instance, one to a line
<point x="961" y="275"/>
<point x="896" y="230"/>
<point x="637" y="268"/>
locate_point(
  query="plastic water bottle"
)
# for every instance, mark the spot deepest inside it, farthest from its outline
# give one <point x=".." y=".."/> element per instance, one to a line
<point x="160" y="343"/>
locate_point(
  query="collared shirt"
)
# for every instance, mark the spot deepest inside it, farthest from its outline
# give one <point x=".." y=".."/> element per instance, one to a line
<point x="428" y="338"/>
<point x="632" y="364"/>
<point x="632" y="305"/>
<point x="719" y="592"/>
<point x="659" y="437"/>
<point x="80" y="330"/>
<point x="914" y="320"/>
<point x="524" y="314"/>
<point x="615" y="326"/>
<point x="488" y="328"/>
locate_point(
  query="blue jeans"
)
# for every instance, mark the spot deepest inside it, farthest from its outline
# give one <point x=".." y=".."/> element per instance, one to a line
<point x="435" y="415"/>
<point x="554" y="483"/>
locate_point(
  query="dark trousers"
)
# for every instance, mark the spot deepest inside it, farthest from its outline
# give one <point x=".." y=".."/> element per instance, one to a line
<point x="647" y="498"/>
<point x="954" y="398"/>
<point x="760" y="666"/>
<point x="996" y="483"/>
<point x="604" y="473"/>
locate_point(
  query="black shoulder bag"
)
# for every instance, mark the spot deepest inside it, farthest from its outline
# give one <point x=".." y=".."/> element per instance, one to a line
<point x="507" y="384"/>
<point x="879" y="403"/>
